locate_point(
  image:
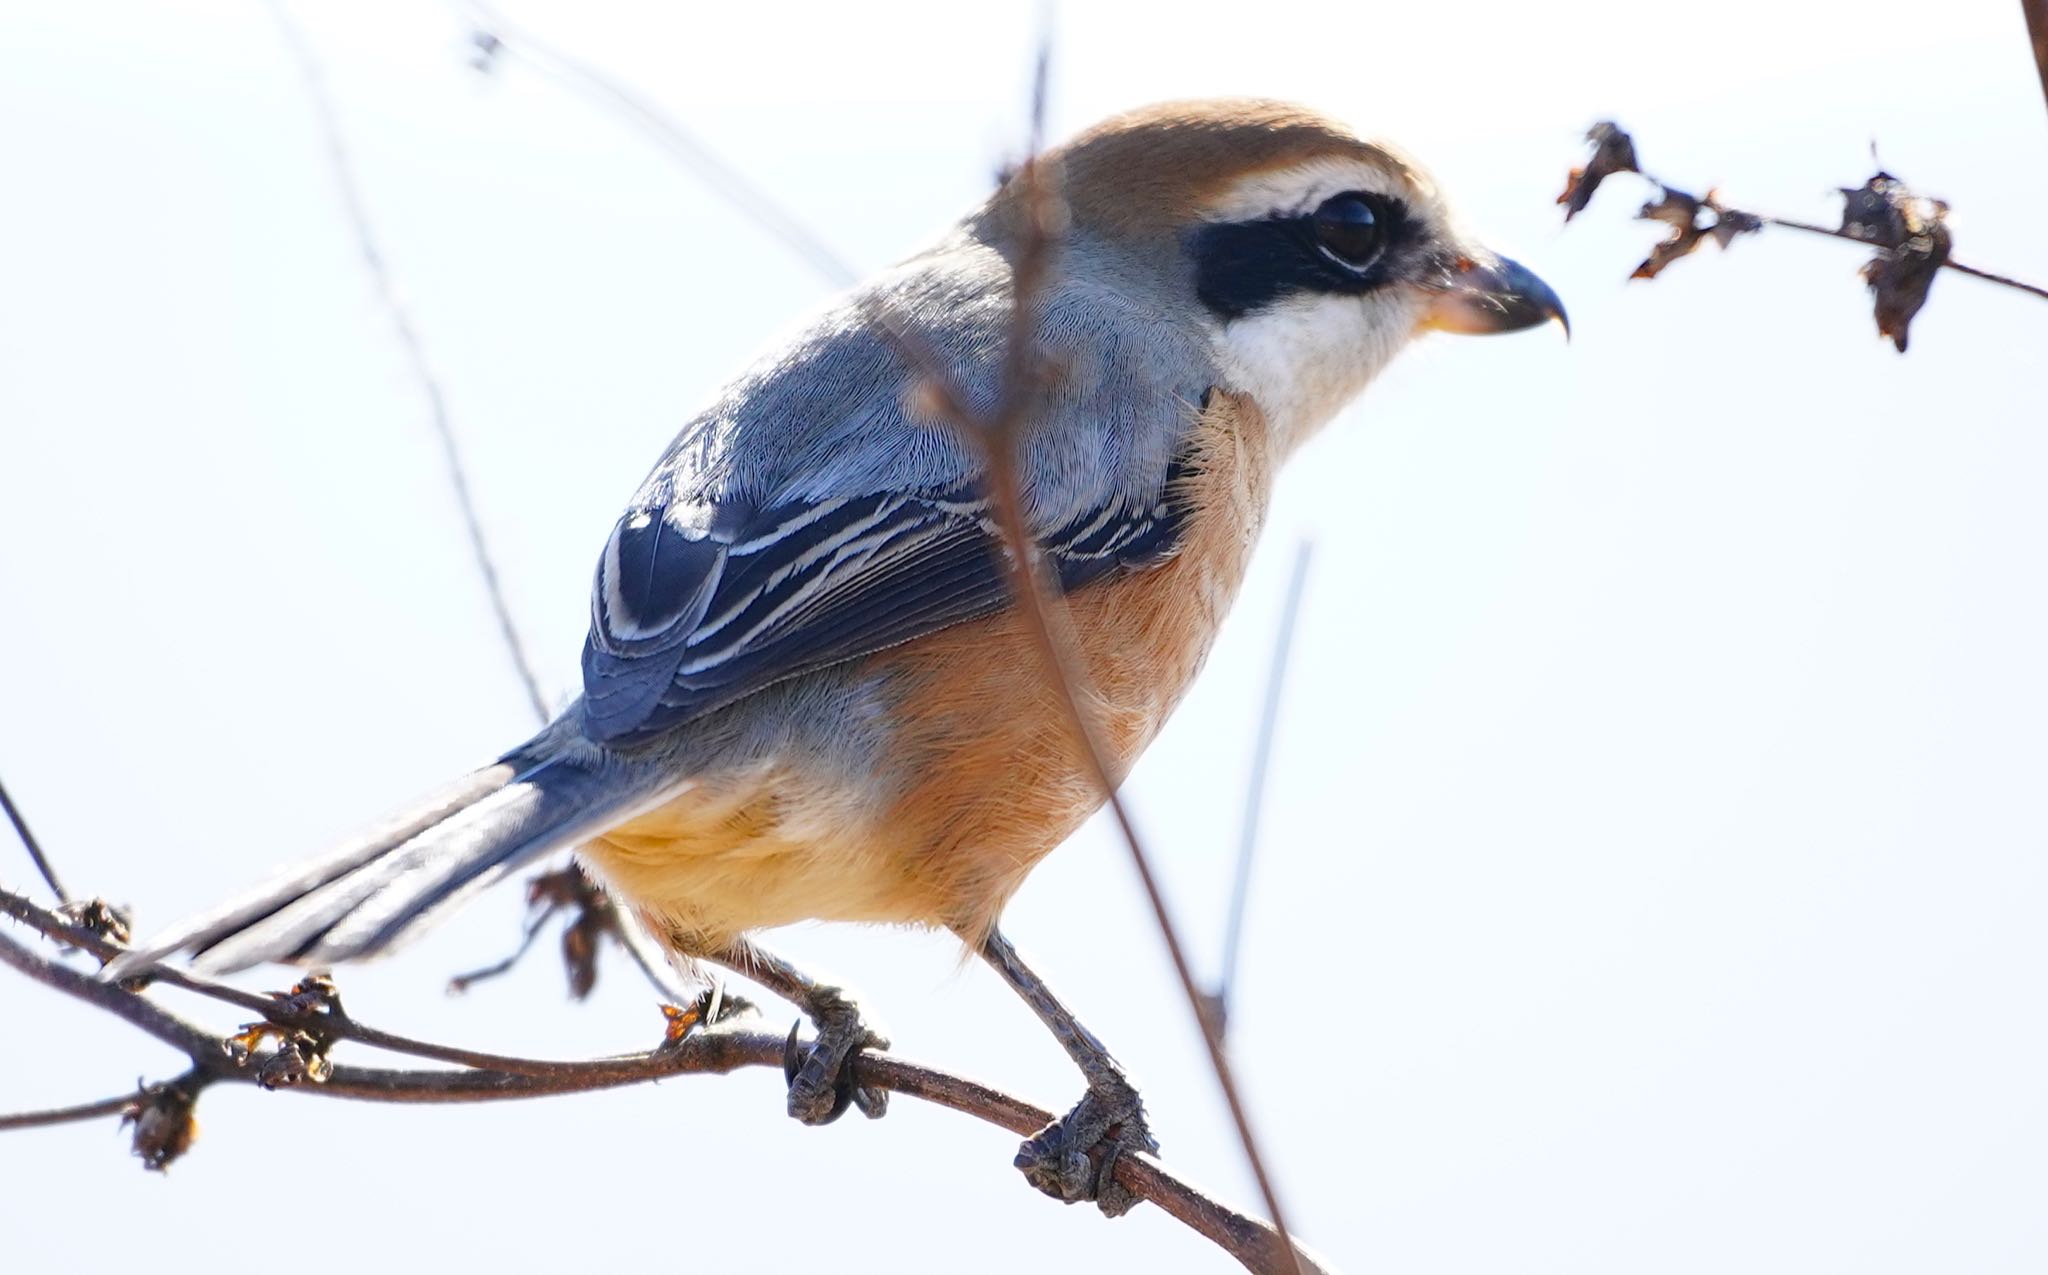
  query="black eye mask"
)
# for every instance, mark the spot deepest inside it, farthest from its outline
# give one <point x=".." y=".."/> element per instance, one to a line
<point x="1351" y="244"/>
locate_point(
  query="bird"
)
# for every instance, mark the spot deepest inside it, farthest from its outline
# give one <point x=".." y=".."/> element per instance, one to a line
<point x="808" y="692"/>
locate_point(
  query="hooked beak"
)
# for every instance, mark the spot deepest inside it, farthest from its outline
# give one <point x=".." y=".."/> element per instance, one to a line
<point x="1493" y="294"/>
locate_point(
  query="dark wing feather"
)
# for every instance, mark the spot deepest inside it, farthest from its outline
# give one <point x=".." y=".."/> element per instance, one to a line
<point x="698" y="605"/>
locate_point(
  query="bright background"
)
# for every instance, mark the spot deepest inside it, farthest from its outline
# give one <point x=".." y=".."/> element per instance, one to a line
<point x="1654" y="872"/>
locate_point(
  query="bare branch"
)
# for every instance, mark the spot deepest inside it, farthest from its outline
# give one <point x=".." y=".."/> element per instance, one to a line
<point x="68" y="1115"/>
<point x="460" y="983"/>
<point x="353" y="203"/>
<point x="29" y="843"/>
<point x="715" y="1049"/>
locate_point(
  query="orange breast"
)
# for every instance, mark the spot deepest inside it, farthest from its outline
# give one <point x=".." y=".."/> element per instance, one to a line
<point x="1000" y="781"/>
<point x="983" y="778"/>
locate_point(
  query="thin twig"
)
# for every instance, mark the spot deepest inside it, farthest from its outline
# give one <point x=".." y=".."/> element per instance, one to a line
<point x="331" y="1023"/>
<point x="718" y="1049"/>
<point x="67" y="1115"/>
<point x="999" y="433"/>
<point x="353" y="203"/>
<point x="681" y="145"/>
<point x="1255" y="786"/>
<point x="1833" y="232"/>
<point x="34" y="847"/>
<point x="462" y="982"/>
<point x="2037" y="32"/>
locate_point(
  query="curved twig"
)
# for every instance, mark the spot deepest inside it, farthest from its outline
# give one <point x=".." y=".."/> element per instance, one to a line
<point x="486" y="1077"/>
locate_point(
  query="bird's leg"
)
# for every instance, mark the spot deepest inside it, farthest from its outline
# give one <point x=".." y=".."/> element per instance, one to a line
<point x="1074" y="1157"/>
<point x="821" y="1082"/>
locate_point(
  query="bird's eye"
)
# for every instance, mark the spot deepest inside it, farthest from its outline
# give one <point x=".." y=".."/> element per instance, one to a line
<point x="1350" y="227"/>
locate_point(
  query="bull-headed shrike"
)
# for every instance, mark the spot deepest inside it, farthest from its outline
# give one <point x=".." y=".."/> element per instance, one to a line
<point x="806" y="692"/>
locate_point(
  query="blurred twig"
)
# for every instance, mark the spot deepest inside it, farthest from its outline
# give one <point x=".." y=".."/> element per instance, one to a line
<point x="626" y="928"/>
<point x="998" y="434"/>
<point x="2037" y="32"/>
<point x="161" y="1113"/>
<point x="350" y="190"/>
<point x="494" y="35"/>
<point x="33" y="846"/>
<point x="1908" y="231"/>
<point x="1255" y="785"/>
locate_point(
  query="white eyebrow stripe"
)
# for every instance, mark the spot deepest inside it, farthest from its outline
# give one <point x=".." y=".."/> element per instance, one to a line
<point x="1295" y="190"/>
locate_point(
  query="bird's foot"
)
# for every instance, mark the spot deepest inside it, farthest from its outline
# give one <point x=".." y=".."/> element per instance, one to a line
<point x="1074" y="1158"/>
<point x="821" y="1078"/>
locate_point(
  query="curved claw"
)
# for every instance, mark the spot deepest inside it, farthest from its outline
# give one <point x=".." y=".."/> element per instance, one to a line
<point x="795" y="1060"/>
<point x="1074" y="1158"/>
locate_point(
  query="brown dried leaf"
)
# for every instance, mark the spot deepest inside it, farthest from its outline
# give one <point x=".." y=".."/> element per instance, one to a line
<point x="594" y="916"/>
<point x="1614" y="151"/>
<point x="1900" y="277"/>
<point x="680" y="1021"/>
<point x="1730" y="222"/>
<point x="1681" y="212"/>
<point x="1693" y="221"/>
<point x="1912" y="237"/>
<point x="165" y="1127"/>
<point x="579" y="949"/>
<point x="1873" y="211"/>
<point x="245" y="1042"/>
<point x="713" y="1005"/>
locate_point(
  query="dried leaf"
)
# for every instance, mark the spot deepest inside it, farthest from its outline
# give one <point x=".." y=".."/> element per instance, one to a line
<point x="1614" y="151"/>
<point x="1681" y="212"/>
<point x="1873" y="210"/>
<point x="579" y="950"/>
<point x="680" y="1021"/>
<point x="1730" y="222"/>
<point x="713" y="1005"/>
<point x="594" y="916"/>
<point x="165" y="1127"/>
<point x="1900" y="277"/>
<point x="1912" y="237"/>
<point x="245" y="1042"/>
<point x="1693" y="221"/>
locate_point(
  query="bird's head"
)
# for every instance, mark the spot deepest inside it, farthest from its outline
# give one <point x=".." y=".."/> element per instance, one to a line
<point x="1309" y="255"/>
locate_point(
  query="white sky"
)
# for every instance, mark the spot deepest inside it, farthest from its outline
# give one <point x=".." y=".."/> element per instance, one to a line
<point x="1658" y="822"/>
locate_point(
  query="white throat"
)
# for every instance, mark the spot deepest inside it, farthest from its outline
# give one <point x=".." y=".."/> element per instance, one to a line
<point x="1302" y="359"/>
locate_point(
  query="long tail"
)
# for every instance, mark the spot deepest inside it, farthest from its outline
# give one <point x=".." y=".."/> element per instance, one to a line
<point x="371" y="894"/>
